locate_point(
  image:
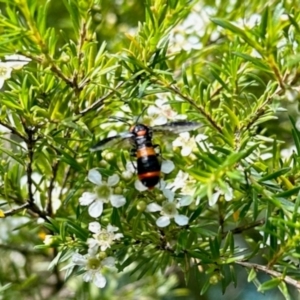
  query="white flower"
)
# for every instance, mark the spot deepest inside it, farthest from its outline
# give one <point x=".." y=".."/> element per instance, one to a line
<point x="93" y="266"/>
<point x="169" y="209"/>
<point x="188" y="143"/>
<point x="227" y="191"/>
<point x="103" y="193"/>
<point x="103" y="238"/>
<point x="167" y="166"/>
<point x="161" y="112"/>
<point x="179" y="182"/>
<point x="15" y="62"/>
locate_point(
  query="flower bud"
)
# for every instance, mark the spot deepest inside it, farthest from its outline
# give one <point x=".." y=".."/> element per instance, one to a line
<point x="141" y="206"/>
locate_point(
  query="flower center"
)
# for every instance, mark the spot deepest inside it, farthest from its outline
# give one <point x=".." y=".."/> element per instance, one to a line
<point x="93" y="263"/>
<point x="103" y="236"/>
<point x="169" y="209"/>
<point x="103" y="192"/>
<point x="3" y="71"/>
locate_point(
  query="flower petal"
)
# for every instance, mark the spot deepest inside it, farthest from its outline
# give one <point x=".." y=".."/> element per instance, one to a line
<point x="169" y="195"/>
<point x="96" y="209"/>
<point x="87" y="198"/>
<point x="185" y="136"/>
<point x="78" y="259"/>
<point x="139" y="186"/>
<point x="152" y="110"/>
<point x="186" y="151"/>
<point x="111" y="228"/>
<point x="87" y="276"/>
<point x="186" y="200"/>
<point x="181" y="220"/>
<point x="92" y="244"/>
<point x="118" y="236"/>
<point x="228" y="194"/>
<point x="177" y="142"/>
<point x="214" y="198"/>
<point x="95" y="177"/>
<point x="108" y="261"/>
<point x="131" y="166"/>
<point x="113" y="180"/>
<point x="153" y="207"/>
<point x="160" y="120"/>
<point x="94" y="227"/>
<point x="163" y="221"/>
<point x="117" y="200"/>
<point x="93" y="251"/>
<point x="167" y="166"/>
<point x="99" y="280"/>
<point x="17" y="57"/>
<point x="200" y="137"/>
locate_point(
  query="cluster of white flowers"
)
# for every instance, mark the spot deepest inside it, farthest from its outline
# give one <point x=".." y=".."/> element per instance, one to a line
<point x="188" y="144"/>
<point x="162" y="112"/>
<point x="94" y="262"/>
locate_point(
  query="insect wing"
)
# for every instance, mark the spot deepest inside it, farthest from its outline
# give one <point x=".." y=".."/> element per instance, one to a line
<point x="177" y="127"/>
<point x="111" y="141"/>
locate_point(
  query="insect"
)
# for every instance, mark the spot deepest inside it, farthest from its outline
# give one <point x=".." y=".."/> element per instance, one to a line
<point x="140" y="136"/>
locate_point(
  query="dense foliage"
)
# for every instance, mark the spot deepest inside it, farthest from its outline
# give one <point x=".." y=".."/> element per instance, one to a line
<point x="76" y="72"/>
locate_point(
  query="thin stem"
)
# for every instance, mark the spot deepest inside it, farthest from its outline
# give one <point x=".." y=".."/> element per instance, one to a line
<point x="100" y="101"/>
<point x="199" y="108"/>
<point x="266" y="270"/>
<point x="13" y="130"/>
<point x="30" y="145"/>
<point x="16" y="210"/>
<point x="50" y="189"/>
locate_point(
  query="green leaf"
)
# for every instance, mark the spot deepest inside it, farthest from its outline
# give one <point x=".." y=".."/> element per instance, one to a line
<point x="232" y="116"/>
<point x="12" y="155"/>
<point x="205" y="287"/>
<point x="252" y="275"/>
<point x="275" y="174"/>
<point x="237" y="30"/>
<point x="271" y="284"/>
<point x="73" y="10"/>
<point x="5" y="287"/>
<point x="289" y="192"/>
<point x="264" y="23"/>
<point x="256" y="61"/>
<point x="77" y="230"/>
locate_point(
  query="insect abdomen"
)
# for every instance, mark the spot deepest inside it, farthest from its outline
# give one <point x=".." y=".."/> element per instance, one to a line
<point x="148" y="167"/>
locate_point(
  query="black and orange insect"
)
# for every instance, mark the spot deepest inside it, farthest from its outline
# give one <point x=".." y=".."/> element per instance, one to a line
<point x="140" y="136"/>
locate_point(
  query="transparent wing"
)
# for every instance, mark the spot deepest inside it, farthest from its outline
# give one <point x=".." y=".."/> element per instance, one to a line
<point x="111" y="141"/>
<point x="177" y="127"/>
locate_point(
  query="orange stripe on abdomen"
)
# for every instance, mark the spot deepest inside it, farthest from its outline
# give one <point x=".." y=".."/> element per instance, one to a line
<point x="148" y="175"/>
<point x="145" y="151"/>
